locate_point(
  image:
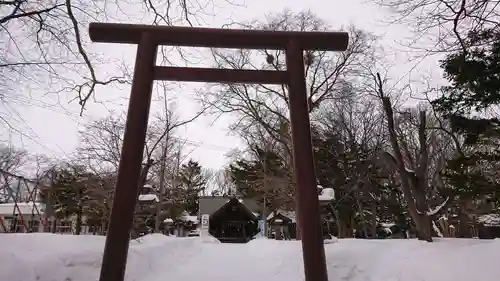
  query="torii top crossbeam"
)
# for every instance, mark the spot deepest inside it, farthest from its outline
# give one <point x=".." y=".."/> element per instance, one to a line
<point x="217" y="38"/>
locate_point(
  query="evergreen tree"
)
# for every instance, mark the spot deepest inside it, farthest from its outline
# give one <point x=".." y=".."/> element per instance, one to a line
<point x="193" y="180"/>
<point x="72" y="193"/>
<point x="474" y="76"/>
<point x="249" y="176"/>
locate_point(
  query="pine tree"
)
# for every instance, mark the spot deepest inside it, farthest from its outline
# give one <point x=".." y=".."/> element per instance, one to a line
<point x="193" y="180"/>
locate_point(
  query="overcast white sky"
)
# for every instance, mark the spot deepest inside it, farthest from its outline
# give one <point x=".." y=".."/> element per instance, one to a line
<point x="55" y="128"/>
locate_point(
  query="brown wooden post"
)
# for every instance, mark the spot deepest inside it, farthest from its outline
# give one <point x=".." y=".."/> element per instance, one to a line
<point x="308" y="204"/>
<point x="118" y="237"/>
<point x="148" y="38"/>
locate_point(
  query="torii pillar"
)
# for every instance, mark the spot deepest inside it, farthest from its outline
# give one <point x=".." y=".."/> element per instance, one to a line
<point x="148" y="38"/>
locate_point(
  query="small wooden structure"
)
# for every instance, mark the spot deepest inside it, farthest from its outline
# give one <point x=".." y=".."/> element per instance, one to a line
<point x="185" y="224"/>
<point x="144" y="214"/>
<point x="281" y="227"/>
<point x="233" y="223"/>
<point x="282" y="224"/>
<point x="488" y="226"/>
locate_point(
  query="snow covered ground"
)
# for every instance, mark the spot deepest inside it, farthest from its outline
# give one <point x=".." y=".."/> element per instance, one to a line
<point x="48" y="257"/>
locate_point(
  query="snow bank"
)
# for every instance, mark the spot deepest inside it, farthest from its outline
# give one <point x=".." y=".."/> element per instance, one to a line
<point x="331" y="240"/>
<point x="44" y="257"/>
<point x="149" y="197"/>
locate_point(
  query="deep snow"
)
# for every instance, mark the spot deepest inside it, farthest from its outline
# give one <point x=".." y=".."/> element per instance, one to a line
<point x="48" y="257"/>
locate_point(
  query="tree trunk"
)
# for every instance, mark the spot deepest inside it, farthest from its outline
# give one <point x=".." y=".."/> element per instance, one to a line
<point x="297" y="222"/>
<point x="445" y="228"/>
<point x="424" y="227"/>
<point x="78" y="224"/>
<point x="352" y="227"/>
<point x="464" y="230"/>
<point x="102" y="231"/>
<point x="337" y="220"/>
<point x="364" y="225"/>
<point x="341" y="229"/>
<point x="296" y="199"/>
<point x="53" y="227"/>
<point x="161" y="190"/>
<point x="79" y="212"/>
<point x="374" y="219"/>
<point x="411" y="185"/>
<point x="144" y="174"/>
<point x="50" y="207"/>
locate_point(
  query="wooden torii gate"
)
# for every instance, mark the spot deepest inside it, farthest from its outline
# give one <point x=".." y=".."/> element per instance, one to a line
<point x="148" y="38"/>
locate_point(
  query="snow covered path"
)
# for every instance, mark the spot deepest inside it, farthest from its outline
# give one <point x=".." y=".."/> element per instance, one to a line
<point x="47" y="257"/>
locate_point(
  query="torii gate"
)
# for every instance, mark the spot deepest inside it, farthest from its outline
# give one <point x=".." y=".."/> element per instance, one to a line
<point x="148" y="38"/>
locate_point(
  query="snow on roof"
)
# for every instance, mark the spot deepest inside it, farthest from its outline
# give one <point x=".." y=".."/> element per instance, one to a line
<point x="288" y="214"/>
<point x="327" y="194"/>
<point x="387" y="225"/>
<point x="149" y="197"/>
<point x="168" y="220"/>
<point x="489" y="219"/>
<point x="189" y="218"/>
<point x="25" y="208"/>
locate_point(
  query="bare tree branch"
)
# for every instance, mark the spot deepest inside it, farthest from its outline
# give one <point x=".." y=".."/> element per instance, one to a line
<point x="45" y="46"/>
<point x="440" y="25"/>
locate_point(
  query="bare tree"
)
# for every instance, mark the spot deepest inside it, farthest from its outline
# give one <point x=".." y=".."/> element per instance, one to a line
<point x="221" y="183"/>
<point x="11" y="161"/>
<point x="42" y="165"/>
<point x="412" y="154"/>
<point x="443" y="24"/>
<point x="101" y="145"/>
<point x="265" y="107"/>
<point x="45" y="46"/>
<point x="327" y="75"/>
<point x="277" y="189"/>
<point x="356" y="125"/>
<point x="101" y="140"/>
